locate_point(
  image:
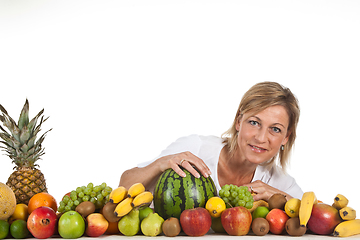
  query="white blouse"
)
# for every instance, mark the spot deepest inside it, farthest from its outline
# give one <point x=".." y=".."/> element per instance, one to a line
<point x="208" y="148"/>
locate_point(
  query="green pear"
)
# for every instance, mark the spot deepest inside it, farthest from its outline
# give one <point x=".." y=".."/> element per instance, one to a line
<point x="129" y="225"/>
<point x="152" y="225"/>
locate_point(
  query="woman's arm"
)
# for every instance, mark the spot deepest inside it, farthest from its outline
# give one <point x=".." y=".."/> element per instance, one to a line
<point x="149" y="174"/>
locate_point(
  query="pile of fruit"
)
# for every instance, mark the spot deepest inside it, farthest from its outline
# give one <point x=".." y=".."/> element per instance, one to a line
<point x="186" y="204"/>
<point x="127" y="212"/>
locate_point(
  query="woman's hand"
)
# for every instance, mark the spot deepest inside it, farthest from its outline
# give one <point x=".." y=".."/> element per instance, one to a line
<point x="188" y="161"/>
<point x="264" y="191"/>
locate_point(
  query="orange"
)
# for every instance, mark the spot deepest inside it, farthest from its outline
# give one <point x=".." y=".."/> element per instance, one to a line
<point x="42" y="199"/>
<point x="112" y="228"/>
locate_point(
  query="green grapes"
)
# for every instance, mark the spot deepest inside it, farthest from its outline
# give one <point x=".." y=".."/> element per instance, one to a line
<point x="99" y="195"/>
<point x="235" y="196"/>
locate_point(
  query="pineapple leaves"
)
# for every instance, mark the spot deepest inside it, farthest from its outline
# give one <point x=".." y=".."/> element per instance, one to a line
<point x="20" y="144"/>
<point x="24" y="115"/>
<point x="24" y="135"/>
<point x="32" y="123"/>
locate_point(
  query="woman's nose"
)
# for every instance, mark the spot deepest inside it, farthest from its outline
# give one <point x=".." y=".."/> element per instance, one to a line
<point x="261" y="135"/>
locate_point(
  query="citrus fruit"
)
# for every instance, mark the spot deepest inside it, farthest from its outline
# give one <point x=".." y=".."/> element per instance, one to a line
<point x="215" y="206"/>
<point x="18" y="229"/>
<point x="21" y="212"/>
<point x="112" y="228"/>
<point x="260" y="211"/>
<point x="7" y="202"/>
<point x="292" y="207"/>
<point x="42" y="199"/>
<point x="4" y="229"/>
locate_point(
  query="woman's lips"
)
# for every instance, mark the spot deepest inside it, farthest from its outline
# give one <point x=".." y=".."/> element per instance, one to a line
<point x="257" y="149"/>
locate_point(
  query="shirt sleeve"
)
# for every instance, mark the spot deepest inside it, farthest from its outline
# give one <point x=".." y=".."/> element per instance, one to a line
<point x="190" y="143"/>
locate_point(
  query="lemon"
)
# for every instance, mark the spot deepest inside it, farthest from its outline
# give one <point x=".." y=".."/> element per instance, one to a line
<point x="215" y="206"/>
<point x="21" y="212"/>
<point x="4" y="229"/>
<point x="292" y="207"/>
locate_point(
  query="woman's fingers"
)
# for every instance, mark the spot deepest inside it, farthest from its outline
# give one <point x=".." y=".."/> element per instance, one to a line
<point x="190" y="168"/>
<point x="262" y="190"/>
<point x="191" y="163"/>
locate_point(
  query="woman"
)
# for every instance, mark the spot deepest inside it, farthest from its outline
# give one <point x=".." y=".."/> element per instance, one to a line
<point x="264" y="130"/>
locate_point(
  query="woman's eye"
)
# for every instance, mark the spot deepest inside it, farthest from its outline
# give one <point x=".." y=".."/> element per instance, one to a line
<point x="254" y="123"/>
<point x="276" y="129"/>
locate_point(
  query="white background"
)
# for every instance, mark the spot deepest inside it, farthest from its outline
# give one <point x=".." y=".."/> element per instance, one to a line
<point x="121" y="80"/>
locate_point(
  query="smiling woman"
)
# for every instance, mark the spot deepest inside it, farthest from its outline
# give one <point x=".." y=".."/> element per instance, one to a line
<point x="264" y="129"/>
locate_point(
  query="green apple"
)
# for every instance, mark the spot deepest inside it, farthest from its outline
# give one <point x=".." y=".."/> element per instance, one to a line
<point x="144" y="212"/>
<point x="71" y="225"/>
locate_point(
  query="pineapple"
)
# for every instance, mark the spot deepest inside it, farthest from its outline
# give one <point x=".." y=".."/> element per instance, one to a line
<point x="21" y="146"/>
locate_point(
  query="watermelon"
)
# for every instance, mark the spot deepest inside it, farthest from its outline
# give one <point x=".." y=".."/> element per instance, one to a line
<point x="173" y="193"/>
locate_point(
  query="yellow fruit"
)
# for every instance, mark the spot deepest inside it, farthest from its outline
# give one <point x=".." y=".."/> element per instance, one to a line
<point x="7" y="202"/>
<point x="340" y="201"/>
<point x="292" y="207"/>
<point x="135" y="190"/>
<point x="347" y="213"/>
<point x="347" y="228"/>
<point x="215" y="206"/>
<point x="307" y="202"/>
<point x="21" y="212"/>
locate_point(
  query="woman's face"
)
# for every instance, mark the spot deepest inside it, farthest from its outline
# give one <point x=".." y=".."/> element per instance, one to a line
<point x="262" y="134"/>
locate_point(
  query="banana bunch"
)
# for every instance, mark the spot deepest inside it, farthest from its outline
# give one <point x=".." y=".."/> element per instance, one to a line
<point x="341" y="204"/>
<point x="306" y="205"/>
<point x="350" y="226"/>
<point x="135" y="196"/>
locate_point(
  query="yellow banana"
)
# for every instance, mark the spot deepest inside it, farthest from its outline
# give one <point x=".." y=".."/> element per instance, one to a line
<point x="340" y="201"/>
<point x="307" y="202"/>
<point x="347" y="228"/>
<point x="142" y="199"/>
<point x="123" y="208"/>
<point x="135" y="190"/>
<point x="118" y="194"/>
<point x="347" y="213"/>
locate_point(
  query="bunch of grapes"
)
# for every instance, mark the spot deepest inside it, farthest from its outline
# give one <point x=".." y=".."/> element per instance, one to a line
<point x="99" y="195"/>
<point x="235" y="196"/>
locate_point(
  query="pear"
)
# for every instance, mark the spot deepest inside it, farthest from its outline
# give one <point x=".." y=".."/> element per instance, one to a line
<point x="129" y="225"/>
<point x="152" y="225"/>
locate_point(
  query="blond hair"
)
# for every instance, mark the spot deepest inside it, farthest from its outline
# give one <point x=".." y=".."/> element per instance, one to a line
<point x="258" y="98"/>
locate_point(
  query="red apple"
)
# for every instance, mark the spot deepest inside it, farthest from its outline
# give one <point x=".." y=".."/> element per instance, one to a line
<point x="324" y="219"/>
<point x="96" y="225"/>
<point x="195" y="221"/>
<point x="236" y="221"/>
<point x="42" y="222"/>
<point x="277" y="220"/>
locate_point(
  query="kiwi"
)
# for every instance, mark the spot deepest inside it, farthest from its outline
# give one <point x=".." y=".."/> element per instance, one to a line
<point x="108" y="212"/>
<point x="171" y="227"/>
<point x="260" y="226"/>
<point x="277" y="200"/>
<point x="85" y="208"/>
<point x="293" y="227"/>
